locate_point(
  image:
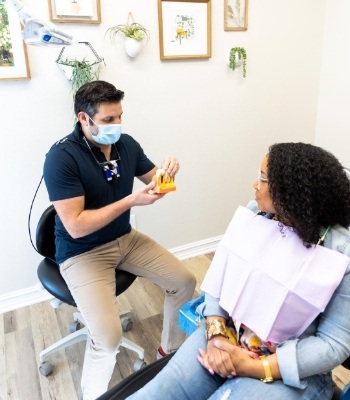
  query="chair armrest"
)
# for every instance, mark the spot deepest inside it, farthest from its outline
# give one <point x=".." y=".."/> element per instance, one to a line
<point x="135" y="381"/>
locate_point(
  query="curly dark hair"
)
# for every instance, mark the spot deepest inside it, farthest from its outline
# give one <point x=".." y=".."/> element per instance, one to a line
<point x="309" y="188"/>
<point x="89" y="96"/>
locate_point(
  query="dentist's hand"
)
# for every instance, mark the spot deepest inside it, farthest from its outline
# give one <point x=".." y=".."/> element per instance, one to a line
<point x="142" y="197"/>
<point x="170" y="165"/>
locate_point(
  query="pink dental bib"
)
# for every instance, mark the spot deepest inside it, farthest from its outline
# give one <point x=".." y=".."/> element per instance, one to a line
<point x="271" y="282"/>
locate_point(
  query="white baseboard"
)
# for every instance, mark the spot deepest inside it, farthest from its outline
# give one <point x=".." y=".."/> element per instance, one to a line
<point x="22" y="298"/>
<point x="36" y="294"/>
<point x="196" y="248"/>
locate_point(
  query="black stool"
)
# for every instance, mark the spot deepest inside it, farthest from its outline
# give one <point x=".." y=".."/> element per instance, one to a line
<point x="50" y="277"/>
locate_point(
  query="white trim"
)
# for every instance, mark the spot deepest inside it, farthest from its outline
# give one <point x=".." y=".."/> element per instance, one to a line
<point x="36" y="294"/>
<point x="22" y="298"/>
<point x="196" y="248"/>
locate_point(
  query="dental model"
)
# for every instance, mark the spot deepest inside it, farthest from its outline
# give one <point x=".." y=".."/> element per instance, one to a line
<point x="164" y="182"/>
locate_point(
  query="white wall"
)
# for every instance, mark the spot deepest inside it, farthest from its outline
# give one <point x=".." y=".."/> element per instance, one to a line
<point x="333" y="119"/>
<point x="217" y="123"/>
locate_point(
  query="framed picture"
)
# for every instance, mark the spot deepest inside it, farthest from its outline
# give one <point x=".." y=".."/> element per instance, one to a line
<point x="81" y="11"/>
<point x="184" y="29"/>
<point x="236" y="15"/>
<point x="13" y="52"/>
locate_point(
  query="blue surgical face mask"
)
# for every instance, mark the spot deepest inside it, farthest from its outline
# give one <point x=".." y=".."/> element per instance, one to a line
<point x="107" y="134"/>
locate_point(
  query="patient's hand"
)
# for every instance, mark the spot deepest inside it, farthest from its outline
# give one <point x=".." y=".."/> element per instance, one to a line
<point x="222" y="356"/>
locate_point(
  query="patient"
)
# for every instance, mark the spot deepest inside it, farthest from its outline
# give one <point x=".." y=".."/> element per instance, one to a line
<point x="276" y="329"/>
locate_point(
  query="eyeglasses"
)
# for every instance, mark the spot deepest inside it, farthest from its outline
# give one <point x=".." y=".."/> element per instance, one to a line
<point x="260" y="179"/>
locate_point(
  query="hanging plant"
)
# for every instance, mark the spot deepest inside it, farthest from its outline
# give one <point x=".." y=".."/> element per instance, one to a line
<point x="80" y="65"/>
<point x="237" y="56"/>
<point x="134" y="34"/>
<point x="79" y="72"/>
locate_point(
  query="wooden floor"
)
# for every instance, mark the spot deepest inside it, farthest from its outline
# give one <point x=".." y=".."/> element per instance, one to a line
<point x="27" y="331"/>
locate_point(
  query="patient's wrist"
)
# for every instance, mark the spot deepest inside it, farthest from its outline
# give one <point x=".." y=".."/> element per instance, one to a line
<point x="215" y="326"/>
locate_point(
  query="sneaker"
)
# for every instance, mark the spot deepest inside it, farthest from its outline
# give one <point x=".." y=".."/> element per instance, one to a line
<point x="161" y="353"/>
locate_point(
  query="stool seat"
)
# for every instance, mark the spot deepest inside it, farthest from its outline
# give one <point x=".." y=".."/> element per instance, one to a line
<point x="52" y="280"/>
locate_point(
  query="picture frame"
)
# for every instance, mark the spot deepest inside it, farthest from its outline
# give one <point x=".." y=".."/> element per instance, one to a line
<point x="75" y="11"/>
<point x="235" y="15"/>
<point x="13" y="52"/>
<point x="184" y="29"/>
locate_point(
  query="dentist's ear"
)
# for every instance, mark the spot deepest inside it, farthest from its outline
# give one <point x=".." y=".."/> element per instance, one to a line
<point x="83" y="118"/>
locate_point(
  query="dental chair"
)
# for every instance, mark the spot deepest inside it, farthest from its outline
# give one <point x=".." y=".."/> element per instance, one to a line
<point x="135" y="381"/>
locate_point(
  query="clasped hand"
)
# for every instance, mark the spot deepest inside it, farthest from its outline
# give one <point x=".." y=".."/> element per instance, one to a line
<point x="224" y="358"/>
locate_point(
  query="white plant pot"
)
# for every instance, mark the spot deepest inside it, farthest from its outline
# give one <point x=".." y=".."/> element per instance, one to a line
<point x="67" y="69"/>
<point x="239" y="62"/>
<point x="133" y="47"/>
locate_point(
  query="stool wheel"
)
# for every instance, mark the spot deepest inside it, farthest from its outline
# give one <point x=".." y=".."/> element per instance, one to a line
<point x="127" y="324"/>
<point x="74" y="326"/>
<point x="139" y="364"/>
<point x="45" y="368"/>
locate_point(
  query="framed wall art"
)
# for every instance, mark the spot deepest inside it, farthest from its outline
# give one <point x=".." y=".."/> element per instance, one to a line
<point x="80" y="11"/>
<point x="13" y="52"/>
<point x="184" y="29"/>
<point x="236" y="15"/>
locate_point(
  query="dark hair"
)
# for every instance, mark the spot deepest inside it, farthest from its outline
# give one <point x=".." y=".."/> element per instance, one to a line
<point x="89" y="96"/>
<point x="309" y="188"/>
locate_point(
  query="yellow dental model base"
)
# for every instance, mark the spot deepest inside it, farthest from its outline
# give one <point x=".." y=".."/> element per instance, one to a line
<point x="164" y="182"/>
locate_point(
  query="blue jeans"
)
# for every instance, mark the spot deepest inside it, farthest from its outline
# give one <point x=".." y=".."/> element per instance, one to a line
<point x="183" y="378"/>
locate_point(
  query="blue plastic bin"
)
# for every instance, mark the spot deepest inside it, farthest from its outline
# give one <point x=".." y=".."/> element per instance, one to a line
<point x="189" y="320"/>
<point x="345" y="394"/>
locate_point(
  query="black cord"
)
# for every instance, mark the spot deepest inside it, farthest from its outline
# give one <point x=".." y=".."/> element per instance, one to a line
<point x="30" y="214"/>
<point x="29" y="217"/>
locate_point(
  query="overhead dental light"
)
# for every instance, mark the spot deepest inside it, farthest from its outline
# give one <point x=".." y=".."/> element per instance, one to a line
<point x="37" y="32"/>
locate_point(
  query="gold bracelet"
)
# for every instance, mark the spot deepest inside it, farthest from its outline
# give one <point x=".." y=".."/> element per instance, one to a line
<point x="268" y="376"/>
<point x="215" y="327"/>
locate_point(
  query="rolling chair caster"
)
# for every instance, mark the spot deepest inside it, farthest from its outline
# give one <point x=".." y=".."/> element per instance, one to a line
<point x="127" y="324"/>
<point x="45" y="368"/>
<point x="139" y="364"/>
<point x="74" y="326"/>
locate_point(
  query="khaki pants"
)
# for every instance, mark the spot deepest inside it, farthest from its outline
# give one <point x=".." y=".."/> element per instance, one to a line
<point x="92" y="280"/>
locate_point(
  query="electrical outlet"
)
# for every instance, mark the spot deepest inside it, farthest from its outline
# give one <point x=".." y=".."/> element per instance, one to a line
<point x="133" y="221"/>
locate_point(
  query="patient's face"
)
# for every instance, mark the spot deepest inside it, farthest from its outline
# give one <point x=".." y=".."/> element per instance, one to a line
<point x="262" y="194"/>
